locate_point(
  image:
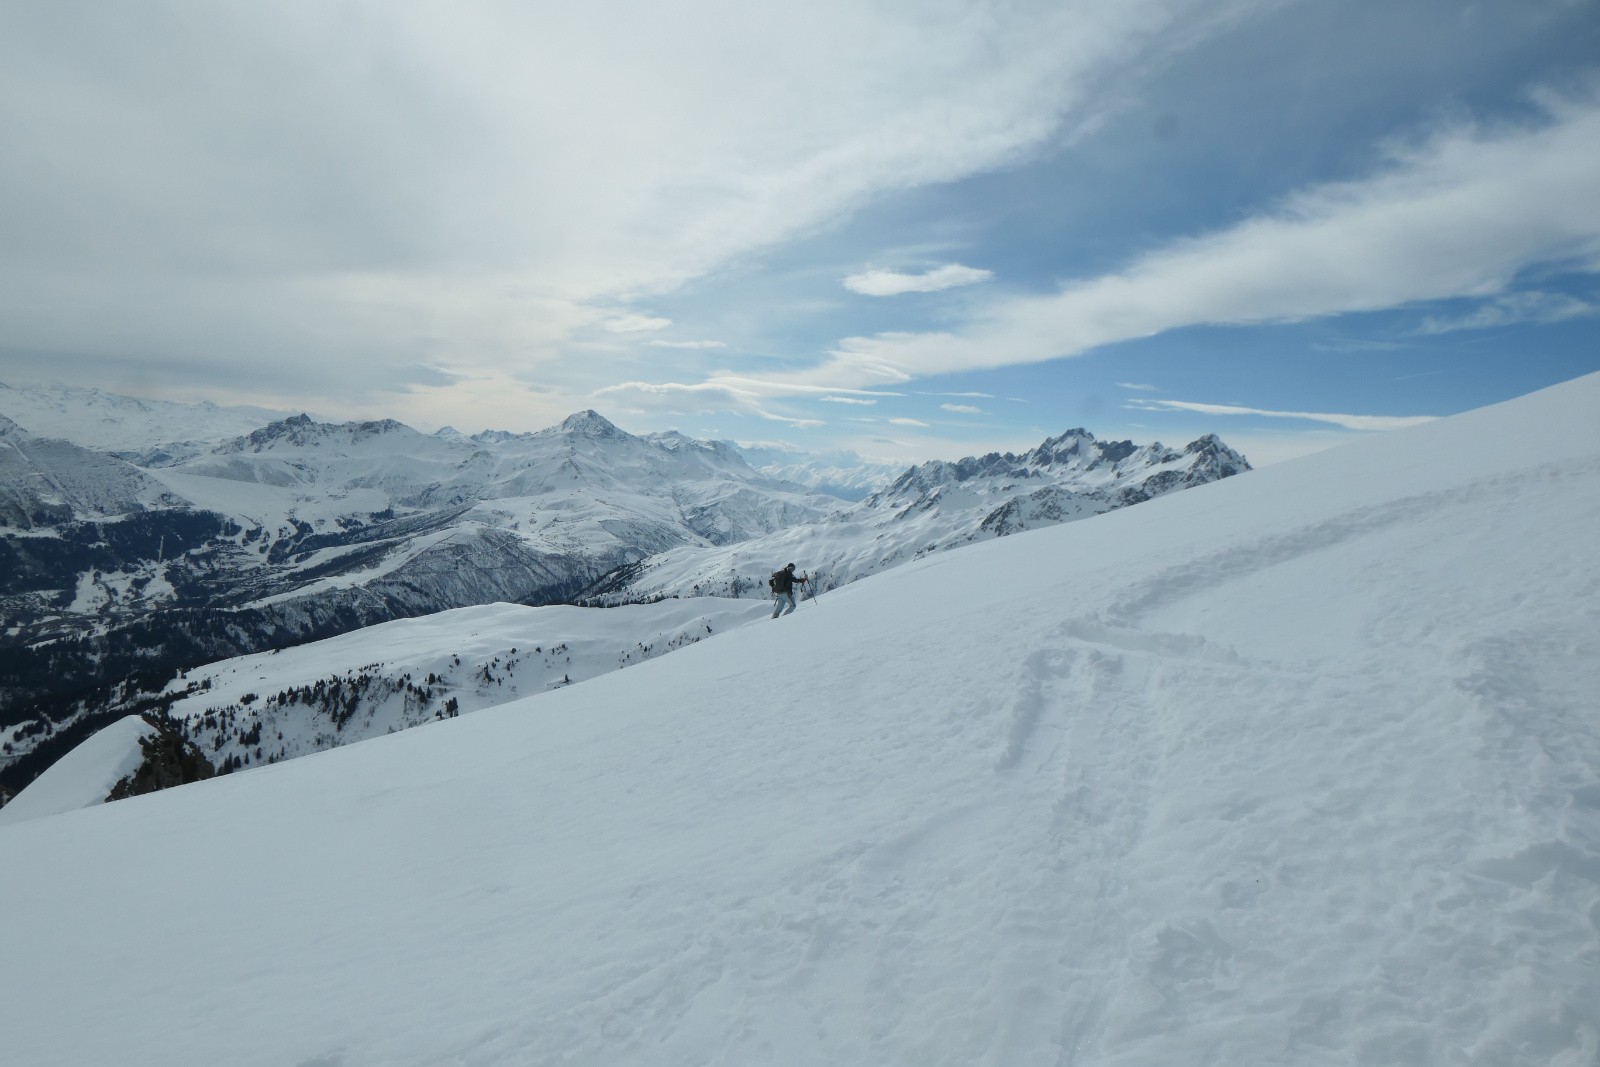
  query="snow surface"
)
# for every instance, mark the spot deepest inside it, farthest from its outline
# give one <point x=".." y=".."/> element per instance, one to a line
<point x="83" y="776"/>
<point x="1300" y="767"/>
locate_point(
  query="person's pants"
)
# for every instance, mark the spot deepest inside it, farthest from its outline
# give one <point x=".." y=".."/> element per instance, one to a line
<point x="783" y="605"/>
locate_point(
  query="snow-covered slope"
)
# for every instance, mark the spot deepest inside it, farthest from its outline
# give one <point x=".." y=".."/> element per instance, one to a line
<point x="84" y="776"/>
<point x="1300" y="767"/>
<point x="930" y="508"/>
<point x="45" y="481"/>
<point x="251" y="711"/>
<point x="1295" y="768"/>
<point x="280" y="705"/>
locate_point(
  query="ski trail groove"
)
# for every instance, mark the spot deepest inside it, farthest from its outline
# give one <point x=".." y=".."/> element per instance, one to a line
<point x="1210" y="571"/>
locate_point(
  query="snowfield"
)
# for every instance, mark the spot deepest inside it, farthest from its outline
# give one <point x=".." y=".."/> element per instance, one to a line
<point x="1300" y="767"/>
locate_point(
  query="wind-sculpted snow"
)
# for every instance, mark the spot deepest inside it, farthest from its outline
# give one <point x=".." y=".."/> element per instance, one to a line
<point x="1299" y="767"/>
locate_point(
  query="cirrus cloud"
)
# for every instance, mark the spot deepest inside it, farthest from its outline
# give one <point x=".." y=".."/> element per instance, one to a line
<point x="1510" y="310"/>
<point x="1348" y="422"/>
<point x="894" y="283"/>
<point x="1459" y="213"/>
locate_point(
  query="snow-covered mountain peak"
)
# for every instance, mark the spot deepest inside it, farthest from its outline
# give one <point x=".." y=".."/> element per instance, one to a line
<point x="294" y="430"/>
<point x="491" y="437"/>
<point x="590" y="423"/>
<point x="1210" y="444"/>
<point x="302" y="431"/>
<point x="674" y="441"/>
<point x="1072" y="443"/>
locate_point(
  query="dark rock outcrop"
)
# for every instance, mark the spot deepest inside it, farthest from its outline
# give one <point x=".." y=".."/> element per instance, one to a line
<point x="169" y="760"/>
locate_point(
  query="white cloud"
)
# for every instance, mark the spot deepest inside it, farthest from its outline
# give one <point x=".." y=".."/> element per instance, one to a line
<point x="748" y="396"/>
<point x="894" y="283"/>
<point x="687" y="344"/>
<point x="380" y="181"/>
<point x="635" y="323"/>
<point x="962" y="409"/>
<point x="1459" y="214"/>
<point x="1510" y="310"/>
<point x="1138" y="387"/>
<point x="1348" y="422"/>
<point x="908" y="422"/>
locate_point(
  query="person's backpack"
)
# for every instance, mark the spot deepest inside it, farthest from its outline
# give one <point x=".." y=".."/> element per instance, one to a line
<point x="772" y="583"/>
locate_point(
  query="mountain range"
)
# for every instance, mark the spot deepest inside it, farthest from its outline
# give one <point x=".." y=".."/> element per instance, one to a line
<point x="123" y="564"/>
<point x="930" y="508"/>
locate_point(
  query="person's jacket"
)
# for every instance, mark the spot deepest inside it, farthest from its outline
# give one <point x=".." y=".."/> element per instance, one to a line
<point x="784" y="581"/>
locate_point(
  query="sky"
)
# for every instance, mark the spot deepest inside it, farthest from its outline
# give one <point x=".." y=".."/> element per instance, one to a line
<point x="912" y="230"/>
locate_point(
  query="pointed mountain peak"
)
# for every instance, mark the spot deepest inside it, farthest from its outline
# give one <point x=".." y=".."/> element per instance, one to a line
<point x="590" y="423"/>
<point x="1075" y="442"/>
<point x="1211" y="448"/>
<point x="376" y="427"/>
<point x="295" y="430"/>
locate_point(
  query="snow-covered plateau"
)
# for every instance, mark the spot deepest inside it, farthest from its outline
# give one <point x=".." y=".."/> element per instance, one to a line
<point x="1299" y="767"/>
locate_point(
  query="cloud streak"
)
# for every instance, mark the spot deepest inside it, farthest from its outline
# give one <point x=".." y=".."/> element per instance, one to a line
<point x="1457" y="214"/>
<point x="748" y="396"/>
<point x="1511" y="310"/>
<point x="894" y="283"/>
<point x="635" y="324"/>
<point x="1348" y="422"/>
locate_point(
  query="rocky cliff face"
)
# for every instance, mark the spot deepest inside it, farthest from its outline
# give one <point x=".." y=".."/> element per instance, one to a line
<point x="169" y="760"/>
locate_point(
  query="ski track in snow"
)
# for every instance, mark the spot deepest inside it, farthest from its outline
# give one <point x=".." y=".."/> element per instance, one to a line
<point x="1084" y="702"/>
<point x="1165" y="787"/>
